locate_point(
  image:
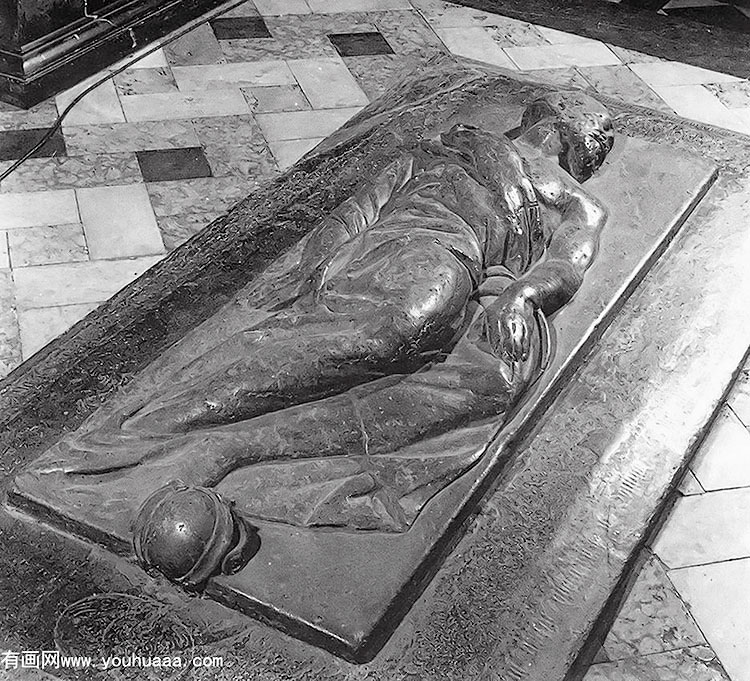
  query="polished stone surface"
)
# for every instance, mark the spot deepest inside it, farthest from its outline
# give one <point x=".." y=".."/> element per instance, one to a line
<point x="351" y="611"/>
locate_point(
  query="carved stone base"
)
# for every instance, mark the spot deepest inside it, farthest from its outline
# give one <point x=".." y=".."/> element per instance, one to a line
<point x="575" y="495"/>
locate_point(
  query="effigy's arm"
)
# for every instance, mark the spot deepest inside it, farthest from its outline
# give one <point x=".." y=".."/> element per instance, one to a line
<point x="550" y="284"/>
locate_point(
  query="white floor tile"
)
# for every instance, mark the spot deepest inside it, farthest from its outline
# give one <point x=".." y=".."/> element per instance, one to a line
<point x="4" y="257"/>
<point x="238" y="74"/>
<point x="689" y="485"/>
<point x="723" y="460"/>
<point x="706" y="528"/>
<point x="474" y="42"/>
<point x="719" y="599"/>
<point x="327" y="83"/>
<point x="36" y="209"/>
<point x="75" y="283"/>
<point x="333" y="6"/>
<point x="195" y="104"/>
<point x="119" y="222"/>
<point x="560" y="56"/>
<point x="288" y="152"/>
<point x="295" y="125"/>
<point x="439" y="13"/>
<point x="39" y="326"/>
<point x="556" y="37"/>
<point x="670" y="73"/>
<point x="697" y="102"/>
<point x="101" y="105"/>
<point x="273" y="8"/>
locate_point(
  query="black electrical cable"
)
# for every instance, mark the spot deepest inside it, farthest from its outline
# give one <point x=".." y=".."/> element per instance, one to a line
<point x="110" y="74"/>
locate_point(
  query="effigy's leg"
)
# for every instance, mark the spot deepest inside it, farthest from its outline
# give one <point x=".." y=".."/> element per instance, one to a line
<point x="381" y="310"/>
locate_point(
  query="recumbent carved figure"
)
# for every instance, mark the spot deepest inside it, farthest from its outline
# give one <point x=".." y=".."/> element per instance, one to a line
<point x="415" y="308"/>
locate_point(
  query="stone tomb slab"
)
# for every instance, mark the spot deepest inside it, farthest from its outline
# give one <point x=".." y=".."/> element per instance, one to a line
<point x="348" y="591"/>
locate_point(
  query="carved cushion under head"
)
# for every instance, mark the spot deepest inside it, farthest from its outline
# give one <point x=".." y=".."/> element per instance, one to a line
<point x="584" y="125"/>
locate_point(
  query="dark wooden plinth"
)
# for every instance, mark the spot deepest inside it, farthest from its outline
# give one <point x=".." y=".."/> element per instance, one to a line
<point x="73" y="47"/>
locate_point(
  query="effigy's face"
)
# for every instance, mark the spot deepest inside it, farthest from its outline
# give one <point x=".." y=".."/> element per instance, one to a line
<point x="587" y="140"/>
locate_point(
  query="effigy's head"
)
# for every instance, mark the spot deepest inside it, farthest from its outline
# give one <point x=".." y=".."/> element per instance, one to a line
<point x="584" y="127"/>
<point x="190" y="534"/>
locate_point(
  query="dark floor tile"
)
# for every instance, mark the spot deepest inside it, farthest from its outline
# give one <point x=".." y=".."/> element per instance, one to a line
<point x="360" y="44"/>
<point x="726" y="17"/>
<point x="173" y="164"/>
<point x="234" y="28"/>
<point x="15" y="143"/>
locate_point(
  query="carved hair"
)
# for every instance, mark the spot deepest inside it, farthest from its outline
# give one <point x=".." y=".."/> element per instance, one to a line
<point x="585" y="128"/>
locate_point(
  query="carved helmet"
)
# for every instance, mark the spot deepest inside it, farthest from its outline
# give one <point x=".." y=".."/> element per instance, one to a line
<point x="191" y="533"/>
<point x="585" y="128"/>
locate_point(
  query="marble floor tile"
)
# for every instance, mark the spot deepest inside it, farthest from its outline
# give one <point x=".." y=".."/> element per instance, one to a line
<point x="689" y="485"/>
<point x="512" y="33"/>
<point x="288" y="152"/>
<point x="8" y="363"/>
<point x="199" y="46"/>
<point x="233" y="28"/>
<point x="696" y="102"/>
<point x="294" y="125"/>
<point x="566" y="77"/>
<point x="244" y="9"/>
<point x="557" y="56"/>
<point x="652" y="618"/>
<point x="555" y="37"/>
<point x="177" y="229"/>
<point x="47" y="245"/>
<point x="119" y="222"/>
<point x="90" y="170"/>
<point x="474" y="42"/>
<point x="38" y="209"/>
<point x="101" y="105"/>
<point x="632" y="56"/>
<point x="620" y="82"/>
<point x="732" y="95"/>
<point x="686" y="664"/>
<point x="170" y="105"/>
<point x="4" y="253"/>
<point x="10" y="338"/>
<point x="75" y="283"/>
<point x="14" y="144"/>
<point x="235" y="145"/>
<point x="719" y="599"/>
<point x="268" y="8"/>
<point x="145" y="81"/>
<point x="723" y="460"/>
<point x="739" y="396"/>
<point x="237" y="74"/>
<point x="122" y="137"/>
<point x="294" y="37"/>
<point x="439" y="13"/>
<point x="273" y="98"/>
<point x="360" y="44"/>
<point x="329" y="6"/>
<point x="202" y="195"/>
<point x="407" y="33"/>
<point x="42" y="115"/>
<point x="39" y="326"/>
<point x="670" y="73"/>
<point x="327" y="83"/>
<point x="706" y="528"/>
<point x="155" y="60"/>
<point x="173" y="164"/>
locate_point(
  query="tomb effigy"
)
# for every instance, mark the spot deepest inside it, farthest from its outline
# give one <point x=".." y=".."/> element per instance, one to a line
<point x="310" y="452"/>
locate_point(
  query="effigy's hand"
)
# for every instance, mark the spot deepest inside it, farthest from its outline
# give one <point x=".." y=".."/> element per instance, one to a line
<point x="509" y="322"/>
